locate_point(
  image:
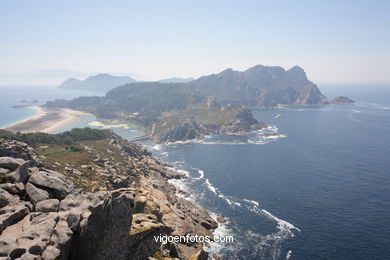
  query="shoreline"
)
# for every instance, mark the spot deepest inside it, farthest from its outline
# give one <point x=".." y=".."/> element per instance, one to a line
<point x="46" y="120"/>
<point x="39" y="112"/>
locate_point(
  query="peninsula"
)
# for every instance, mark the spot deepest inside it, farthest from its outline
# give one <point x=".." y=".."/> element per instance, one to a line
<point x="47" y="120"/>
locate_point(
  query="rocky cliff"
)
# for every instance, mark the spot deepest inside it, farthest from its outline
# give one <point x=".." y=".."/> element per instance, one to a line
<point x="104" y="200"/>
<point x="260" y="86"/>
<point x="227" y="119"/>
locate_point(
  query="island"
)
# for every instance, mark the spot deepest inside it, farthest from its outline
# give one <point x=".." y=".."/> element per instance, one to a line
<point x="169" y="111"/>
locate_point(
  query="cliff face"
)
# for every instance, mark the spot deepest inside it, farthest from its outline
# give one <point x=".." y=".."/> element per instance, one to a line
<point x="47" y="213"/>
<point x="260" y="86"/>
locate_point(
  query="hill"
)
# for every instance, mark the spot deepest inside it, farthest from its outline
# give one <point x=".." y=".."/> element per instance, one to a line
<point x="101" y="82"/>
<point x="176" y="80"/>
<point x="260" y="86"/>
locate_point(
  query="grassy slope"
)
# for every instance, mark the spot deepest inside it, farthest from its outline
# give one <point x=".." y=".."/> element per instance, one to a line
<point x="58" y="157"/>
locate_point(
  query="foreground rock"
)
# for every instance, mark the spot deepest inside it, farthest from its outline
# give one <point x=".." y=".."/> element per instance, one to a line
<point x="43" y="215"/>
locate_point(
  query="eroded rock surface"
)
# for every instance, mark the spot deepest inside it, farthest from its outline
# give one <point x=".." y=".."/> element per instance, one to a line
<point x="44" y="215"/>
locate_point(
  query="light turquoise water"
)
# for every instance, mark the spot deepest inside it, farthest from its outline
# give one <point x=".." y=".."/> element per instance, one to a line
<point x="13" y="95"/>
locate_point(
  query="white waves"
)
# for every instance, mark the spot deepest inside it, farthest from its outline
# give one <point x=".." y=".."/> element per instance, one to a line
<point x="201" y="174"/>
<point x="252" y="202"/>
<point x="253" y="206"/>
<point x="282" y="224"/>
<point x="211" y="187"/>
<point x="157" y="147"/>
<point x="289" y="254"/>
<point x="261" y="136"/>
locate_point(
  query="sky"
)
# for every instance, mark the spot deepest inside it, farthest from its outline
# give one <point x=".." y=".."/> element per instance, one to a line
<point x="333" y="41"/>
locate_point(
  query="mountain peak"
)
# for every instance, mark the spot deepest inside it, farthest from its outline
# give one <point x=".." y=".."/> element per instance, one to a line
<point x="297" y="72"/>
<point x="260" y="86"/>
<point x="226" y="71"/>
<point x="102" y="75"/>
<point x="100" y="82"/>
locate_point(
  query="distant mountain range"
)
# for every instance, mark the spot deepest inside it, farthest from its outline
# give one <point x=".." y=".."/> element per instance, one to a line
<point x="176" y="80"/>
<point x="260" y="86"/>
<point x="101" y="82"/>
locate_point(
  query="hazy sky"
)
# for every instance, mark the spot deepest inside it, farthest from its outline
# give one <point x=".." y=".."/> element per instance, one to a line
<point x="332" y="40"/>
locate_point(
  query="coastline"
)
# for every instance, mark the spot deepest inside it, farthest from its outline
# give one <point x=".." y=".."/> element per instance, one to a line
<point x="47" y="120"/>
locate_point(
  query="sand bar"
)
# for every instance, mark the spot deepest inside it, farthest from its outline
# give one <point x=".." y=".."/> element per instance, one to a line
<point x="47" y="120"/>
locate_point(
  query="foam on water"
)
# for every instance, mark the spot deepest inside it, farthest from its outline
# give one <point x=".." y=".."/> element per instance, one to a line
<point x="285" y="229"/>
<point x="259" y="242"/>
<point x="282" y="224"/>
<point x="252" y="202"/>
<point x="372" y="105"/>
<point x="157" y="147"/>
<point x="221" y="230"/>
<point x="201" y="174"/>
<point x="211" y="187"/>
<point x="196" y="178"/>
<point x="261" y="136"/>
<point x="289" y="254"/>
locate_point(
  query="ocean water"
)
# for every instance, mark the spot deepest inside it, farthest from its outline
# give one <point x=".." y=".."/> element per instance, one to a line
<point x="14" y="95"/>
<point x="319" y="190"/>
<point x="318" y="187"/>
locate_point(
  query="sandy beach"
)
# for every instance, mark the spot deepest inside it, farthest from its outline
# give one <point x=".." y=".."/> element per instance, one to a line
<point x="47" y="120"/>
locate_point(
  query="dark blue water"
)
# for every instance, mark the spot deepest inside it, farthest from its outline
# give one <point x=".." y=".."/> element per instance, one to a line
<point x="328" y="179"/>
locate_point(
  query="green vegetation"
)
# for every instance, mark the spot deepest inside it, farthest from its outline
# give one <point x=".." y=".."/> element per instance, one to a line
<point x="141" y="102"/>
<point x="166" y="107"/>
<point x="66" y="138"/>
<point x="87" y="164"/>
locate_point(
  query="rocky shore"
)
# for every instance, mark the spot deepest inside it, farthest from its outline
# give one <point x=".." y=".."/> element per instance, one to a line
<point x="110" y="208"/>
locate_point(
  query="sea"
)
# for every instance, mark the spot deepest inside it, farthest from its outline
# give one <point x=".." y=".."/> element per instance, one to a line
<point x="314" y="185"/>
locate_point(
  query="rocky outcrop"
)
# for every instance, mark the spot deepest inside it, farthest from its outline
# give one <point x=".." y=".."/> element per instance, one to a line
<point x="342" y="100"/>
<point x="46" y="216"/>
<point x="182" y="130"/>
<point x="17" y="149"/>
<point x="244" y="123"/>
<point x="43" y="215"/>
<point x="227" y="119"/>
